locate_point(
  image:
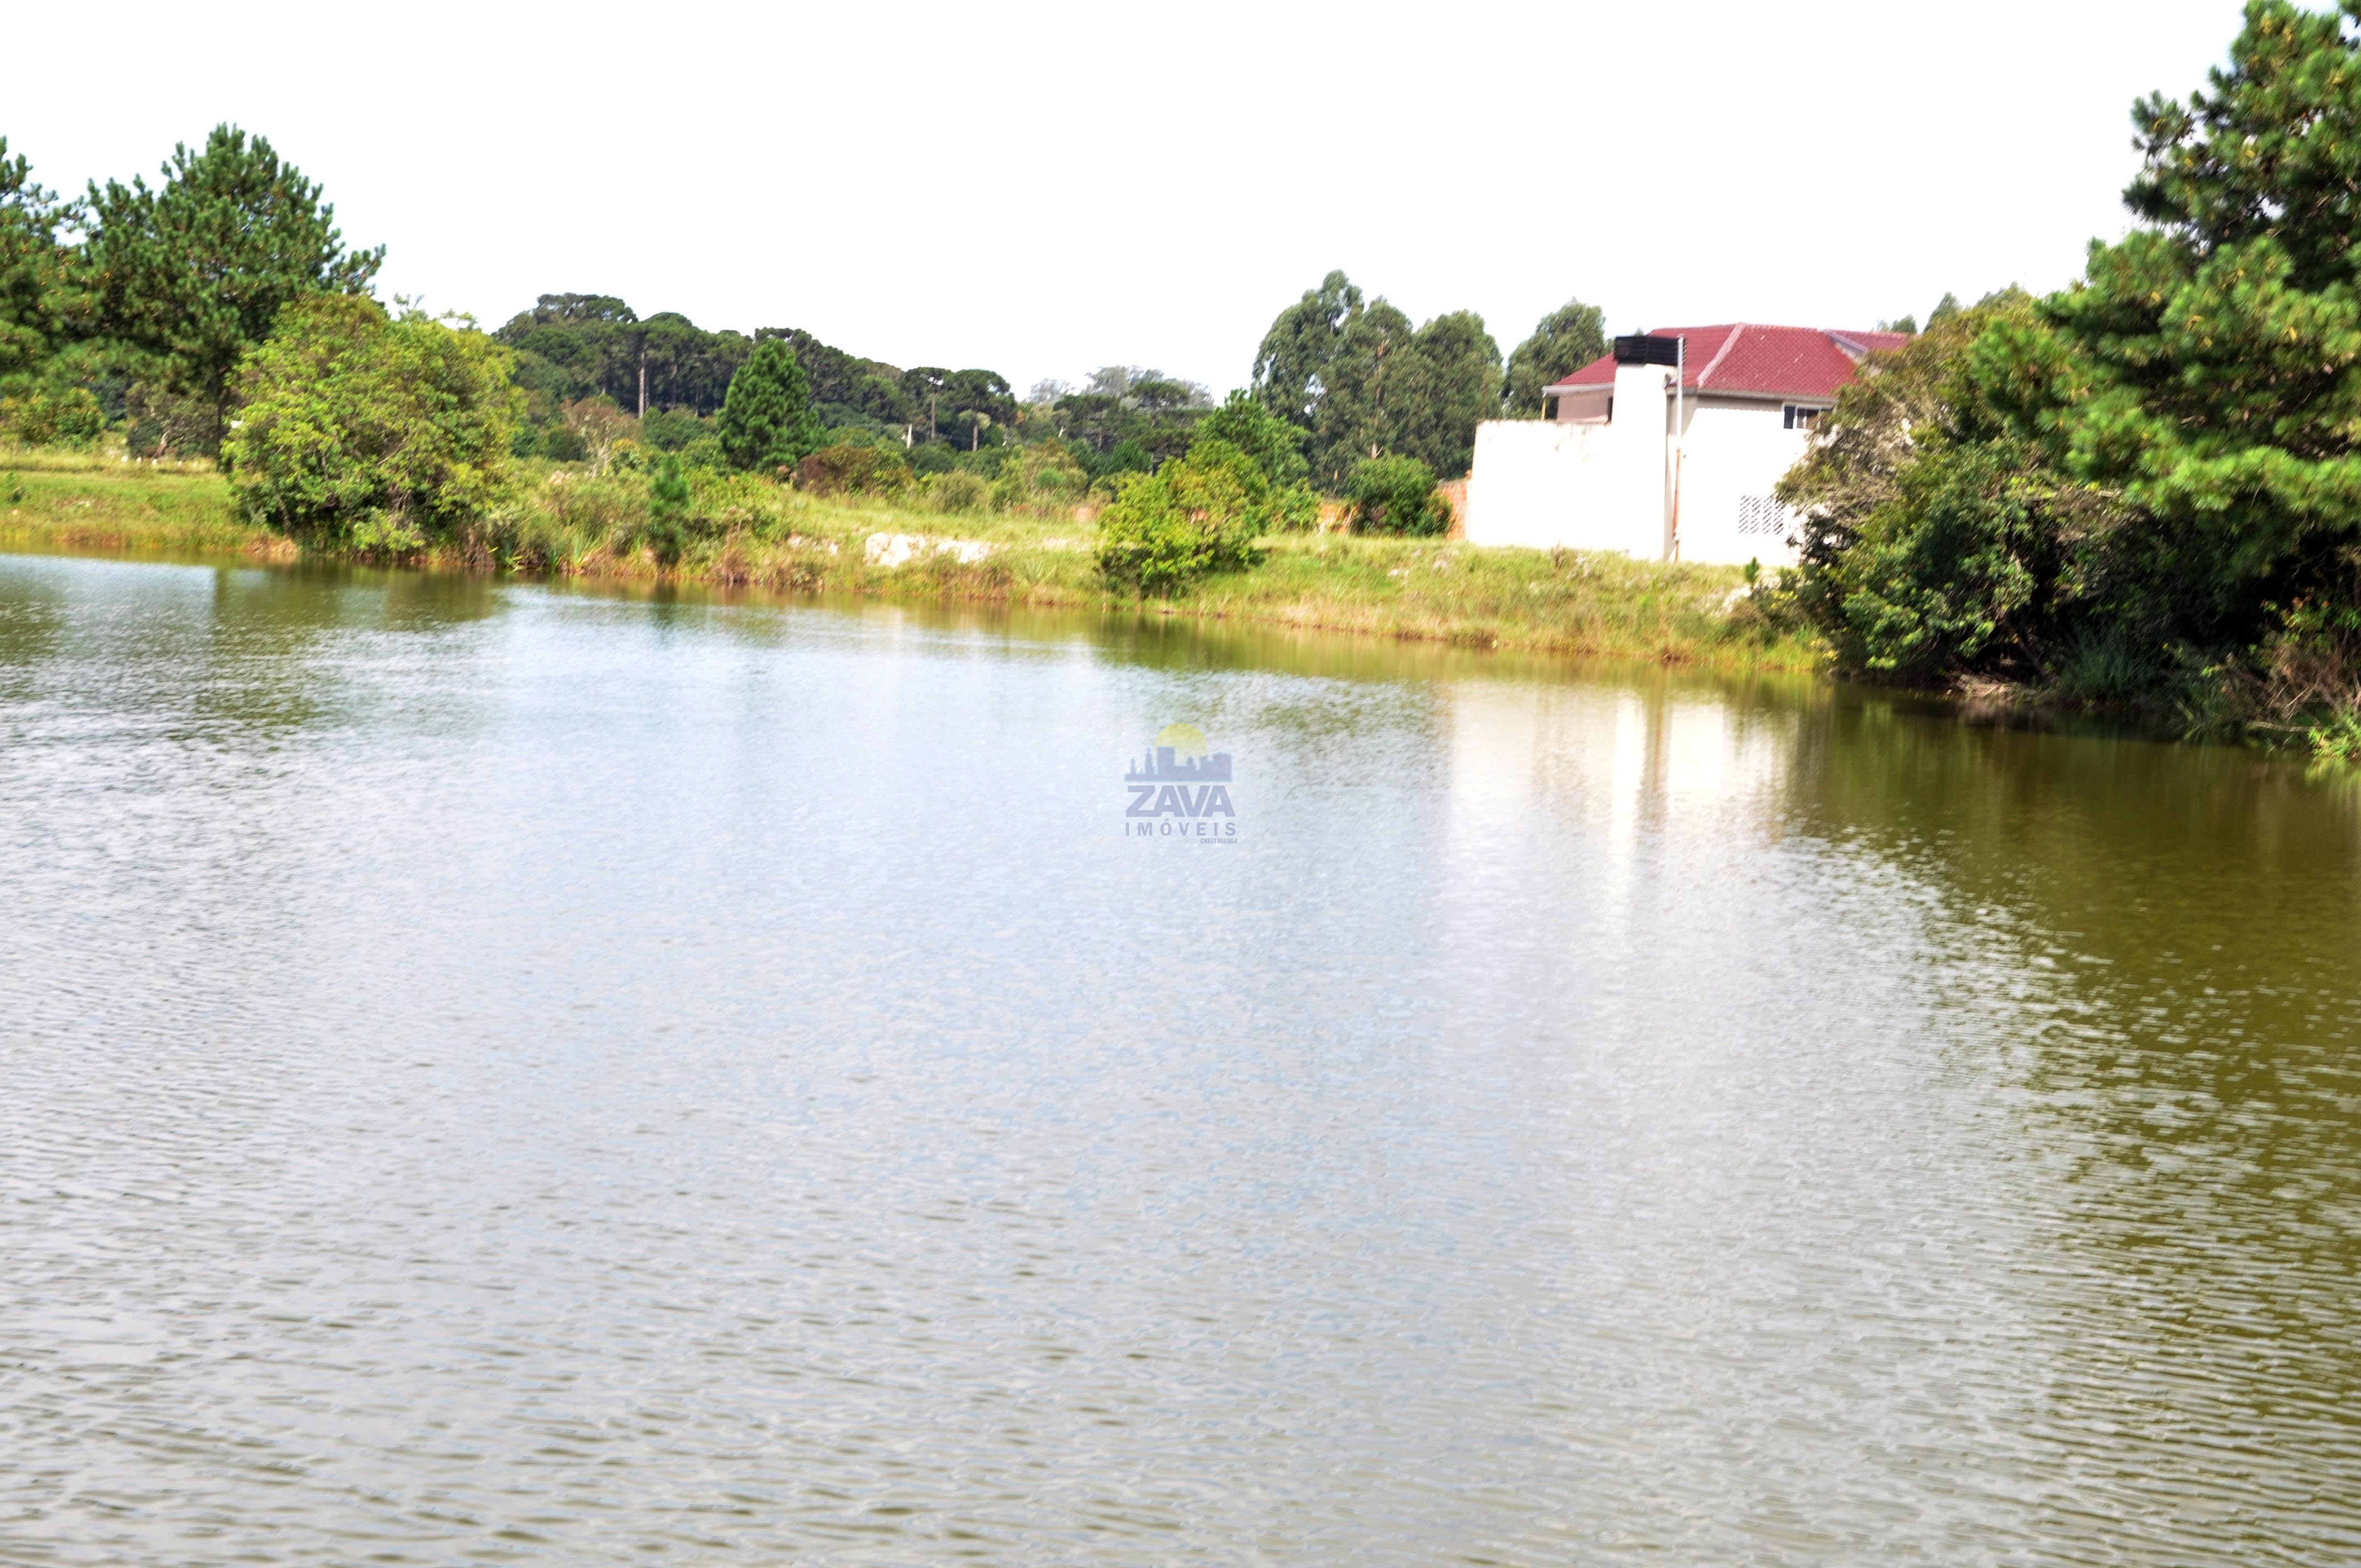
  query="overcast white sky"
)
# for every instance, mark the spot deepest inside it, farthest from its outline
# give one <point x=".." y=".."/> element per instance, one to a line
<point x="1044" y="188"/>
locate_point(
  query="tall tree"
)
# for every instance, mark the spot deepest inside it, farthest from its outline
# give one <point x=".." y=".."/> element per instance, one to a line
<point x="29" y="266"/>
<point x="1451" y="381"/>
<point x="2216" y="372"/>
<point x="1355" y="411"/>
<point x="1291" y="367"/>
<point x="1564" y="340"/>
<point x="767" y="420"/>
<point x="192" y="273"/>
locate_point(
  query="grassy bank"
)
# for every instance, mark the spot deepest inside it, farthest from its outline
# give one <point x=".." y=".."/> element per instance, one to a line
<point x="69" y="502"/>
<point x="755" y="533"/>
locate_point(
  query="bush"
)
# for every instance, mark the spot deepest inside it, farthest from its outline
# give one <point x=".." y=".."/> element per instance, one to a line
<point x="956" y="489"/>
<point x="1197" y="514"/>
<point x="1396" y="495"/>
<point x="1246" y="424"/>
<point x="850" y="469"/>
<point x="670" y="430"/>
<point x="668" y="501"/>
<point x="367" y="433"/>
<point x="1042" y="475"/>
<point x="53" y="416"/>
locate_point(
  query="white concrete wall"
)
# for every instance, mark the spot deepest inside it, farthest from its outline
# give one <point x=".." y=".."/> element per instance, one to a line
<point x="1530" y="480"/>
<point x="1735" y="452"/>
<point x="1590" y="487"/>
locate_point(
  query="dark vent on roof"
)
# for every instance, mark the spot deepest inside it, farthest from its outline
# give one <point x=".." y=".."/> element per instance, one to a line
<point x="1640" y="349"/>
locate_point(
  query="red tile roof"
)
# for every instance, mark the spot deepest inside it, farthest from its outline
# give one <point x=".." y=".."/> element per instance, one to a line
<point x="1767" y="361"/>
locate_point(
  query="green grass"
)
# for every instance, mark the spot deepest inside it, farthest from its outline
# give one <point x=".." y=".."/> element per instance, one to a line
<point x="65" y="500"/>
<point x="756" y="533"/>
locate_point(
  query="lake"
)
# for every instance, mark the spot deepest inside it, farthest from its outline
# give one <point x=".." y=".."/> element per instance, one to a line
<point x="495" y="1072"/>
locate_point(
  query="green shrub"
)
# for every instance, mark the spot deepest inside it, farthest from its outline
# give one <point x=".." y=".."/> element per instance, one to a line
<point x="848" y="468"/>
<point x="1197" y="514"/>
<point x="367" y="433"/>
<point x="670" y="430"/>
<point x="53" y="416"/>
<point x="1045" y="475"/>
<point x="956" y="489"/>
<point x="1246" y="424"/>
<point x="668" y="503"/>
<point x="1396" y="495"/>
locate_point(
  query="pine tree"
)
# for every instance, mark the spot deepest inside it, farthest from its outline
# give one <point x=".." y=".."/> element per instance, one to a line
<point x="767" y="421"/>
<point x="193" y="274"/>
<point x="28" y="265"/>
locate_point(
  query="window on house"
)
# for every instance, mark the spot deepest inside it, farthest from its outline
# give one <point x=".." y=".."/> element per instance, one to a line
<point x="1802" y="416"/>
<point x="1549" y="407"/>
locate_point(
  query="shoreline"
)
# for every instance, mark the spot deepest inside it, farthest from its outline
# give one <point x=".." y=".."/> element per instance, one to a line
<point x="1430" y="590"/>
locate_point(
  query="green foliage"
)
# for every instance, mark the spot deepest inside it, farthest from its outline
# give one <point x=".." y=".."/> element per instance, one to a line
<point x="1396" y="495"/>
<point x="1044" y="477"/>
<point x="1127" y="457"/>
<point x="956" y="490"/>
<point x="52" y="416"/>
<point x="1247" y="422"/>
<point x="29" y="264"/>
<point x="1362" y="381"/>
<point x="854" y="468"/>
<point x="1201" y="513"/>
<point x="1451" y="382"/>
<point x="767" y="421"/>
<point x="669" y="430"/>
<point x="2146" y="490"/>
<point x="572" y="346"/>
<point x="849" y="390"/>
<point x="191" y="275"/>
<point x="1939" y="541"/>
<point x="669" y="504"/>
<point x="371" y="434"/>
<point x="1564" y="340"/>
<point x="1291" y="364"/>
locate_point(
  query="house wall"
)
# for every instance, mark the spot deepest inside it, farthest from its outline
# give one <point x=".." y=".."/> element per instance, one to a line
<point x="1594" y="486"/>
<point x="1590" y="487"/>
<point x="1589" y="405"/>
<point x="1735" y="451"/>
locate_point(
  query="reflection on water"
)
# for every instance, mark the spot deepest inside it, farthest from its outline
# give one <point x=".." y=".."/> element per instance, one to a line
<point x="511" y="1073"/>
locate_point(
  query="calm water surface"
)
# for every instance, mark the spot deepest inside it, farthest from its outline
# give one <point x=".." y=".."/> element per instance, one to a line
<point x="499" y="1074"/>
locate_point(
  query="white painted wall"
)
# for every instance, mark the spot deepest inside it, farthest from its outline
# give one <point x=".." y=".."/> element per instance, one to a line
<point x="1591" y="487"/>
<point x="1737" y="449"/>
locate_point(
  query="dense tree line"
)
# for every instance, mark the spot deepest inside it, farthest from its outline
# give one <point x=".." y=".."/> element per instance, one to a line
<point x="1361" y="382"/>
<point x="2142" y="490"/>
<point x="571" y="347"/>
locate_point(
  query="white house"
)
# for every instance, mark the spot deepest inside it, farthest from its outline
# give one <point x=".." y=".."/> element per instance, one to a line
<point x="1667" y="448"/>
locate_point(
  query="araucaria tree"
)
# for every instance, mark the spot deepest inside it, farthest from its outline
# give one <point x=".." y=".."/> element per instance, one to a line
<point x="191" y="275"/>
<point x="768" y="421"/>
<point x="365" y="434"/>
